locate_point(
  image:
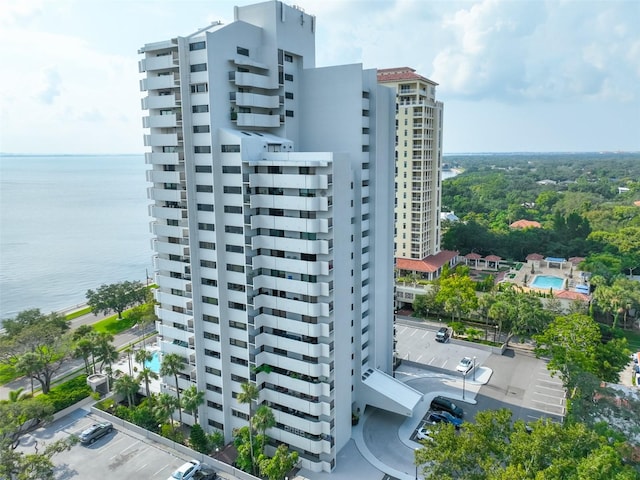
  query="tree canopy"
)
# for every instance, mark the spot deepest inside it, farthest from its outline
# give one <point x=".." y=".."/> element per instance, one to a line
<point x="116" y="297"/>
<point x="496" y="448"/>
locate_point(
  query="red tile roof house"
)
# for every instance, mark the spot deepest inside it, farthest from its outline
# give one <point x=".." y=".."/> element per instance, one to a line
<point x="522" y="224"/>
<point x="429" y="268"/>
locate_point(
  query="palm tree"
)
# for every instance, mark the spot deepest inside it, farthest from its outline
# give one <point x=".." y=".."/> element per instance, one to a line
<point x="18" y="396"/>
<point x="142" y="356"/>
<point x="192" y="399"/>
<point x="172" y="363"/>
<point x="249" y="394"/>
<point x="262" y="420"/>
<point x="146" y="375"/>
<point x="127" y="386"/>
<point x="164" y="407"/>
<point x="84" y="349"/>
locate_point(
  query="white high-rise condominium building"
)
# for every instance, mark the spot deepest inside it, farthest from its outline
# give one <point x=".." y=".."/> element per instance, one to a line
<point x="418" y="158"/>
<point x="272" y="199"/>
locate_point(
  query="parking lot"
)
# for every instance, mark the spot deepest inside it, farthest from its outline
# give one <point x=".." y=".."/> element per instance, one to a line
<point x="519" y="382"/>
<point x="118" y="454"/>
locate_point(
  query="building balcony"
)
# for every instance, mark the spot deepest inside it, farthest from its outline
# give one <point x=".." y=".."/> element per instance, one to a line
<point x="246" y="79"/>
<point x="166" y="195"/>
<point x="161" y="101"/>
<point x="296" y="287"/>
<point x="162" y="176"/>
<point x="167" y="332"/>
<point x="318" y="204"/>
<point x="243" y="99"/>
<point x="162" y="139"/>
<point x="255" y="120"/>
<point x="161" y="62"/>
<point x="293" y="326"/>
<point x="318" y="225"/>
<point x="179" y="301"/>
<point x="290" y="244"/>
<point x="311" y="182"/>
<point x="312" y="445"/>
<point x="170" y="248"/>
<point x="167" y="213"/>
<point x="160" y="121"/>
<point x="162" y="158"/>
<point x="295" y="266"/>
<point x="163" y="230"/>
<point x="160" y="82"/>
<point x="173" y="317"/>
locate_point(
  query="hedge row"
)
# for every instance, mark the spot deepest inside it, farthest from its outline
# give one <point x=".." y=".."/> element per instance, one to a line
<point x="67" y="393"/>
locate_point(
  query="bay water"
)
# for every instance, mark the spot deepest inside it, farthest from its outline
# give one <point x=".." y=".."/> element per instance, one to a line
<point x="69" y="224"/>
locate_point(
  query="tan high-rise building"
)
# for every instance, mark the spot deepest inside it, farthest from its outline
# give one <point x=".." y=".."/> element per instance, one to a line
<point x="418" y="163"/>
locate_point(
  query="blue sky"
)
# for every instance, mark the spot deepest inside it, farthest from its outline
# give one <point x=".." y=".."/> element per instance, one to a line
<point x="515" y="75"/>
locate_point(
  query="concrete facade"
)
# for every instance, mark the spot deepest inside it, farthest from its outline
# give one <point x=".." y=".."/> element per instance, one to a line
<point x="272" y="198"/>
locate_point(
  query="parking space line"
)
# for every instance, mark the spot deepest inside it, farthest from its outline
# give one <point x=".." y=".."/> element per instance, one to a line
<point x="141" y="468"/>
<point x="544" y="394"/>
<point x="158" y="471"/>
<point x="425" y="334"/>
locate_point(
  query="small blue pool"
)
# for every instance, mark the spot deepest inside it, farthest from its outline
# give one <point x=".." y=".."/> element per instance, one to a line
<point x="154" y="363"/>
<point x="548" y="281"/>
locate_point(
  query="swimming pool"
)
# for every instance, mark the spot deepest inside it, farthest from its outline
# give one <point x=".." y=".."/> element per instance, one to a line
<point x="547" y="281"/>
<point x="154" y="363"/>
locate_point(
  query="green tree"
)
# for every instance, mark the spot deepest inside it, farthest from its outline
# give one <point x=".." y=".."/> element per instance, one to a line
<point x="262" y="420"/>
<point x="45" y="360"/>
<point x="247" y="396"/>
<point x="84" y="348"/>
<point x="494" y="447"/>
<point x="458" y="295"/>
<point x="192" y="398"/>
<point x="116" y="297"/>
<point x="276" y="467"/>
<point x="573" y="344"/>
<point x="16" y="418"/>
<point x="27" y="319"/>
<point x="16" y="465"/>
<point x="198" y="439"/>
<point x="164" y="407"/>
<point x="171" y="365"/>
<point x="146" y="375"/>
<point x="127" y="386"/>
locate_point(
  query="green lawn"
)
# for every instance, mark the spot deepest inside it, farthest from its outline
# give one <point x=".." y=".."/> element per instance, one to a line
<point x="633" y="339"/>
<point x="79" y="313"/>
<point x="7" y="373"/>
<point x="113" y="325"/>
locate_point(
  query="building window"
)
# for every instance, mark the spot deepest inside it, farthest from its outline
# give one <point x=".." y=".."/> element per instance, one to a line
<point x="235" y="268"/>
<point x="209" y="300"/>
<point x="289" y="113"/>
<point x="208" y="264"/>
<point x="288" y="58"/>
<point x="288" y="77"/>
<point x="201" y="129"/>
<point x="208" y="245"/>
<point x="365" y="148"/>
<point x="237" y="343"/>
<point x="203" y="169"/>
<point x="199" y="88"/>
<point x="211" y="336"/>
<point x="365" y="113"/>
<point x="242" y="51"/>
<point x="230" y="169"/>
<point x="230" y="148"/>
<point x="205" y="207"/>
<point x="288" y="95"/>
<point x="233" y="248"/>
<point x="232" y="209"/>
<point x="199" y="108"/>
<point x="238" y="325"/>
<point x="209" y="282"/>
<point x="230" y="189"/>
<point x="233" y="229"/>
<point x="197" y="46"/>
<point x="202" y="149"/>
<point x="210" y="319"/>
<point x="209" y="227"/>
<point x="204" y="188"/>
<point x="237" y="306"/>
<point x="199" y="67"/>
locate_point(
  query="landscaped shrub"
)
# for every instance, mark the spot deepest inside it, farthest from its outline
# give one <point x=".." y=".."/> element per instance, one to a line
<point x="67" y="393"/>
<point x="198" y="439"/>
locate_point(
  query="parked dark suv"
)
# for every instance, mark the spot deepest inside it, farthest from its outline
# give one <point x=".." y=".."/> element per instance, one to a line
<point x="443" y="335"/>
<point x="446" y="404"/>
<point x="94" y="432"/>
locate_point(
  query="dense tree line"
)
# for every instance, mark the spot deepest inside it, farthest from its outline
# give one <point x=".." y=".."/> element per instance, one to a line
<point x="582" y="213"/>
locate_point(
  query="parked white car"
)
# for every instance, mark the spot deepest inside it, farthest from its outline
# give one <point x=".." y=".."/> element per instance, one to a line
<point x="465" y="365"/>
<point x="186" y="471"/>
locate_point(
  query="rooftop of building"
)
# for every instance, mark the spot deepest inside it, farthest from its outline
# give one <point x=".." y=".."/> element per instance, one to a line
<point x="400" y="73"/>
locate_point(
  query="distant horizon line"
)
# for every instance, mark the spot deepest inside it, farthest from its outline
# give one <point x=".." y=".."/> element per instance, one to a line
<point x="512" y="152"/>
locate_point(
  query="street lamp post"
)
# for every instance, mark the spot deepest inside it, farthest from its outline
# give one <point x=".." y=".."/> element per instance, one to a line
<point x="416" y="460"/>
<point x="464" y="378"/>
<point x="474" y="369"/>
